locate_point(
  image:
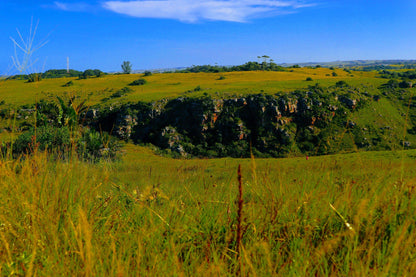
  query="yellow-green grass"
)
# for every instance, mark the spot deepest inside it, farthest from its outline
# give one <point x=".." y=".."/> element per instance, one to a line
<point x="385" y="115"/>
<point x="18" y="92"/>
<point x="152" y="216"/>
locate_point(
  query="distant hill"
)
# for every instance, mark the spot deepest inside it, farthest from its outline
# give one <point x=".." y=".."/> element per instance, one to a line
<point x="377" y="64"/>
<point x="352" y="63"/>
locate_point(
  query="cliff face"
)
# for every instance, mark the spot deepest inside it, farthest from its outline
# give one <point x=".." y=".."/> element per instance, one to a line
<point x="269" y="125"/>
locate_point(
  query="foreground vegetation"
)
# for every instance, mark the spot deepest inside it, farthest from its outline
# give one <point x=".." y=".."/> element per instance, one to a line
<point x="146" y="215"/>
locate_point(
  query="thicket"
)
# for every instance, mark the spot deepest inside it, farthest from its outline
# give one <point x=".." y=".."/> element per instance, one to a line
<point x="58" y="73"/>
<point x="58" y="129"/>
<point x="91" y="73"/>
<point x="249" y="66"/>
<point x="52" y="73"/>
<point x="405" y="75"/>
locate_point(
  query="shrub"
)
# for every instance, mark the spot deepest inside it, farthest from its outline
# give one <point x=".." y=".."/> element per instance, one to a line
<point x="121" y="92"/>
<point x="93" y="146"/>
<point x="34" y="77"/>
<point x="309" y="79"/>
<point x="334" y="74"/>
<point x="138" y="82"/>
<point x="391" y="84"/>
<point x="221" y="77"/>
<point x="91" y="73"/>
<point x="147" y="73"/>
<point x="405" y="84"/>
<point x="70" y="83"/>
<point x="341" y="84"/>
<point x="49" y="138"/>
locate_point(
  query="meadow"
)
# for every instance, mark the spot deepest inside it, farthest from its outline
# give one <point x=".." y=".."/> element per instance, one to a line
<point x="170" y="85"/>
<point x="343" y="215"/>
<point x="149" y="215"/>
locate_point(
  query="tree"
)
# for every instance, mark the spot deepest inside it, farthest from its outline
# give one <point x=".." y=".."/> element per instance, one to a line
<point x="98" y="73"/>
<point x="264" y="64"/>
<point x="126" y="67"/>
<point x="87" y="73"/>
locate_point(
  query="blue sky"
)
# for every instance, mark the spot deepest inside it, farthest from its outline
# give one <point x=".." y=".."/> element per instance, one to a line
<point x="173" y="33"/>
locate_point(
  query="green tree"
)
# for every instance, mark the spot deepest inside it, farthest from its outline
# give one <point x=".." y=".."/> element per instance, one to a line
<point x="126" y="67"/>
<point x="86" y="74"/>
<point x="264" y="64"/>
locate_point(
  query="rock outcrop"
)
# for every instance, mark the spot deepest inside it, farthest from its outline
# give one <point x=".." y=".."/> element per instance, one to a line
<point x="271" y="124"/>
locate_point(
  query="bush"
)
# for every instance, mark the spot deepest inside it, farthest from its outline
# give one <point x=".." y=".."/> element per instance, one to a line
<point x="121" y="92"/>
<point x="138" y="82"/>
<point x="341" y="84"/>
<point x="221" y="77"/>
<point x="309" y="79"/>
<point x="147" y="73"/>
<point x="91" y="73"/>
<point x="70" y="83"/>
<point x="34" y="77"/>
<point x="391" y="84"/>
<point x="405" y="84"/>
<point x="49" y="138"/>
<point x="93" y="146"/>
<point x="334" y="74"/>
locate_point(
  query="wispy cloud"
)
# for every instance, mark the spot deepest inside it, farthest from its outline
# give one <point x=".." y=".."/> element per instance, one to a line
<point x="72" y="7"/>
<point x="193" y="10"/>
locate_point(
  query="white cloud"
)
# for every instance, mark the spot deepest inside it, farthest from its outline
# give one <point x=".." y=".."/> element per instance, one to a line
<point x="72" y="7"/>
<point x="193" y="10"/>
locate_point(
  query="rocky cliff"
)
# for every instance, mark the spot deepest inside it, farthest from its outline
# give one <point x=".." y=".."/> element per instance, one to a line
<point x="308" y="122"/>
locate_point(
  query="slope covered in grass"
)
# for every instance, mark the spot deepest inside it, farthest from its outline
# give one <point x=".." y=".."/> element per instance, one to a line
<point x="148" y="215"/>
<point x="18" y="92"/>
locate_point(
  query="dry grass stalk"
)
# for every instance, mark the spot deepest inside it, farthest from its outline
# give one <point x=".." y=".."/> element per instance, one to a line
<point x="239" y="218"/>
<point x="349" y="226"/>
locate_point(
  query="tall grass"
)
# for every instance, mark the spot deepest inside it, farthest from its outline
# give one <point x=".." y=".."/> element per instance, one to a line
<point x="155" y="216"/>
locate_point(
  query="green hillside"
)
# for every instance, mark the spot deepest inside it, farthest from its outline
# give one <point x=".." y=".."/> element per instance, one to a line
<point x="20" y="92"/>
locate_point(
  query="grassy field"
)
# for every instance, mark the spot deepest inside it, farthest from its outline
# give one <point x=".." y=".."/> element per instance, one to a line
<point x="344" y="215"/>
<point x="169" y="85"/>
